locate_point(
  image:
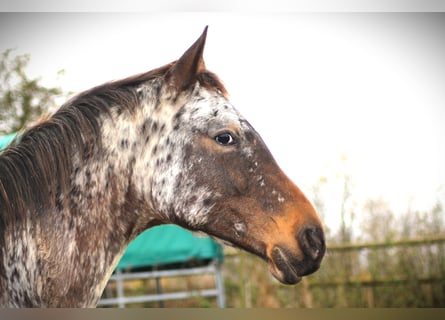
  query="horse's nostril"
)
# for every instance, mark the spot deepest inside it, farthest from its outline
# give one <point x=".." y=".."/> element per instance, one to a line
<point x="312" y="243"/>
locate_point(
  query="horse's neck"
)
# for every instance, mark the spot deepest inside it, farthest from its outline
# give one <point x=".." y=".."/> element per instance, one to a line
<point x="74" y="248"/>
<point x="106" y="213"/>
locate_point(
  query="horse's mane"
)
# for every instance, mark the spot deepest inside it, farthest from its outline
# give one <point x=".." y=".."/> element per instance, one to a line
<point x="35" y="169"/>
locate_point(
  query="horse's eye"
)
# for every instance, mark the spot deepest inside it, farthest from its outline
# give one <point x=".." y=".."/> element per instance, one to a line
<point x="225" y="139"/>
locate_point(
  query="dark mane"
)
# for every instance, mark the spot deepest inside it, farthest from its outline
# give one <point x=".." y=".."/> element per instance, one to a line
<point x="41" y="159"/>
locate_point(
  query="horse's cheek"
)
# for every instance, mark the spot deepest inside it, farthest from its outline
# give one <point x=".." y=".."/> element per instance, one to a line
<point x="237" y="173"/>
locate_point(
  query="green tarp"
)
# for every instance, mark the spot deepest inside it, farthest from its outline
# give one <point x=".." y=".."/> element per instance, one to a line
<point x="161" y="245"/>
<point x="5" y="140"/>
<point x="168" y="244"/>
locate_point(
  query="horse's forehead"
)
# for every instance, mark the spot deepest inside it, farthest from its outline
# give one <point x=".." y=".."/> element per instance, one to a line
<point x="209" y="106"/>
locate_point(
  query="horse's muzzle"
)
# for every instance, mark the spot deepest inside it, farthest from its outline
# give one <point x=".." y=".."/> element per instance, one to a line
<point x="288" y="267"/>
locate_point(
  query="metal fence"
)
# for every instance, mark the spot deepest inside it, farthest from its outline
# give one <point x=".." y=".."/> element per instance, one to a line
<point x="120" y="298"/>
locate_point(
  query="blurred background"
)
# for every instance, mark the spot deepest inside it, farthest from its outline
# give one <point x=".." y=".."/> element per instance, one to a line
<point x="350" y="104"/>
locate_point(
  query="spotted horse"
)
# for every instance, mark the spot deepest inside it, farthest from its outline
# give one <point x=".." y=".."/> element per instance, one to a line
<point x="161" y="147"/>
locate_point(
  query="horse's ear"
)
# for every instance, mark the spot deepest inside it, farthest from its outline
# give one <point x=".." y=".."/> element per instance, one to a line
<point x="183" y="72"/>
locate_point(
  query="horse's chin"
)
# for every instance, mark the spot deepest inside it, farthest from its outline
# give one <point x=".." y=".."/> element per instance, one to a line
<point x="285" y="274"/>
<point x="281" y="266"/>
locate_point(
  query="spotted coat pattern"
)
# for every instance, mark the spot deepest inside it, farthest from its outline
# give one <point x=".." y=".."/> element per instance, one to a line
<point x="166" y="146"/>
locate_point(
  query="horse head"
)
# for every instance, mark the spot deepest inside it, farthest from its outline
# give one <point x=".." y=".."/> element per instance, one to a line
<point x="215" y="174"/>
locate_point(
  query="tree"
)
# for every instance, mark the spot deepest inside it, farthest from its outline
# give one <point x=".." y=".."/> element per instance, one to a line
<point x="22" y="99"/>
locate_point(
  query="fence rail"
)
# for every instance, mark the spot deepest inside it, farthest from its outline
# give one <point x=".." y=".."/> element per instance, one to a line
<point x="425" y="240"/>
<point x="417" y="241"/>
<point x="373" y="282"/>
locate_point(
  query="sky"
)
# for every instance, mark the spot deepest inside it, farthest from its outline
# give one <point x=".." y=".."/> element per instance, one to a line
<point x="361" y="94"/>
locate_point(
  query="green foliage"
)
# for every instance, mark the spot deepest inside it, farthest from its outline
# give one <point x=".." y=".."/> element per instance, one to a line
<point x="22" y="99"/>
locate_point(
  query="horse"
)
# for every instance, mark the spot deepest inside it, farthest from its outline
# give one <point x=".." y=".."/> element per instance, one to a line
<point x="161" y="147"/>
